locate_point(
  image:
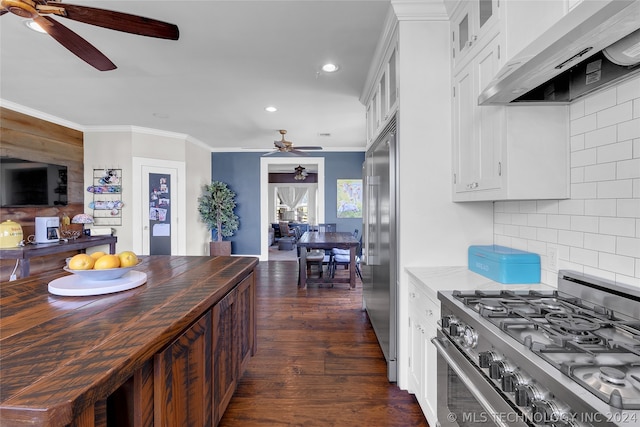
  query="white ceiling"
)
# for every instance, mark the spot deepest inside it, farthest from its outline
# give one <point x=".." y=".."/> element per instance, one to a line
<point x="233" y="58"/>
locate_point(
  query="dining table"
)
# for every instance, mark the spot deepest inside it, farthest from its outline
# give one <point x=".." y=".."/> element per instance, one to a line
<point x="327" y="241"/>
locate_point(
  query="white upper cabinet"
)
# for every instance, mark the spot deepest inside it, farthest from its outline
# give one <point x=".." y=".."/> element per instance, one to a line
<point x="504" y="153"/>
<point x="384" y="99"/>
<point x="470" y="27"/>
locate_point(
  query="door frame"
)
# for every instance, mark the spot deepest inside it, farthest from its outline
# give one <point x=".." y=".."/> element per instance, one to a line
<point x="264" y="194"/>
<point x="178" y="206"/>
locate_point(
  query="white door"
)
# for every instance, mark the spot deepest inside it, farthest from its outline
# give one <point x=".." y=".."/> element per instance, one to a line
<point x="158" y="199"/>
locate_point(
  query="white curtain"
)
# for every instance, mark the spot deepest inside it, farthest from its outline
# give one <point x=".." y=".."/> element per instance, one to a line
<point x="292" y="196"/>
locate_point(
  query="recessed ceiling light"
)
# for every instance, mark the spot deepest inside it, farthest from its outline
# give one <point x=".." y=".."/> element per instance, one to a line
<point x="330" y="68"/>
<point x="33" y="25"/>
<point x="270" y="109"/>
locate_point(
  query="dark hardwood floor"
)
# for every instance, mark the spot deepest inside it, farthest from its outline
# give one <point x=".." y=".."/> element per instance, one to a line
<point x="318" y="362"/>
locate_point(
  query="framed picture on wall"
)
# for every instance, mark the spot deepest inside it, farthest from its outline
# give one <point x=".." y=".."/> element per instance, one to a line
<point x="349" y="198"/>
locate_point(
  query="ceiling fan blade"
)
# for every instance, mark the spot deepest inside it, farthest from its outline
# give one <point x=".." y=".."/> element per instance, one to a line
<point x="120" y="21"/>
<point x="3" y="11"/>
<point x="279" y="144"/>
<point x="297" y="152"/>
<point x="308" y="148"/>
<point x="76" y="44"/>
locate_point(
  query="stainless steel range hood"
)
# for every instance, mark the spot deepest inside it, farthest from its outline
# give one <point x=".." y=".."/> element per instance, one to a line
<point x="569" y="60"/>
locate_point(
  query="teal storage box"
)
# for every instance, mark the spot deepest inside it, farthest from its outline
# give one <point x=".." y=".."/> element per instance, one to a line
<point x="505" y="265"/>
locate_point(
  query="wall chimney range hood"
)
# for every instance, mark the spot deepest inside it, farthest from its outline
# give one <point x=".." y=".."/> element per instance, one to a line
<point x="595" y="45"/>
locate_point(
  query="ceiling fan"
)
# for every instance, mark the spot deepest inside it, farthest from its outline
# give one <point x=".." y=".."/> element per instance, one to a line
<point x="284" y="146"/>
<point x="36" y="9"/>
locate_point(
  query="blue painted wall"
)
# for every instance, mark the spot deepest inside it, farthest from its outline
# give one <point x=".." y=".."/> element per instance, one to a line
<point x="241" y="172"/>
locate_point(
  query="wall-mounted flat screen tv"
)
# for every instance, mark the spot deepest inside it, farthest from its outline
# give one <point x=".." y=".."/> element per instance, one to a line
<point x="28" y="183"/>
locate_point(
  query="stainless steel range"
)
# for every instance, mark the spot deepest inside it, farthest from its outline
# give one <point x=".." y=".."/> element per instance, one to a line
<point x="563" y="358"/>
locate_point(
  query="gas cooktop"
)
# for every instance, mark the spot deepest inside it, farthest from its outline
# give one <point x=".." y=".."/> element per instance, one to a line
<point x="589" y="342"/>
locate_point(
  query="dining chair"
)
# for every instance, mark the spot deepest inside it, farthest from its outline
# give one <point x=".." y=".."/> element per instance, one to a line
<point x="343" y="257"/>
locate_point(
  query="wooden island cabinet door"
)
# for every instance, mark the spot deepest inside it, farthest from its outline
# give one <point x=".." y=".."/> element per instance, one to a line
<point x="224" y="352"/>
<point x="183" y="379"/>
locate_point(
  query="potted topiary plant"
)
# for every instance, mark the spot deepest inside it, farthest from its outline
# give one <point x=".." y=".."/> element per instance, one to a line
<point x="216" y="206"/>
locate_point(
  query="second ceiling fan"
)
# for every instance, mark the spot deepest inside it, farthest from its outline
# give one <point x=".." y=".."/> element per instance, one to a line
<point x="36" y="9"/>
<point x="284" y="146"/>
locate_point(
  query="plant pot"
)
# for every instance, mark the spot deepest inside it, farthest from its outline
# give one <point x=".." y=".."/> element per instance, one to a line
<point x="220" y="248"/>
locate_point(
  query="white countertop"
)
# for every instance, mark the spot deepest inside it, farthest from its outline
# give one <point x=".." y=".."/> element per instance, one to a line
<point x="460" y="278"/>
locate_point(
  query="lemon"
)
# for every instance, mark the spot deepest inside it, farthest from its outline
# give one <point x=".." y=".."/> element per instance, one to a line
<point x="107" y="261"/>
<point x="97" y="255"/>
<point x="81" y="262"/>
<point x="128" y="259"/>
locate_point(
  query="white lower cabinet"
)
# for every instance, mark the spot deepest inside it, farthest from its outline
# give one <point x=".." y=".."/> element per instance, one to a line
<point x="424" y="313"/>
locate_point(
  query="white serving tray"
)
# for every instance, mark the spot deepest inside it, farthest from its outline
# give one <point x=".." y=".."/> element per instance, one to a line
<point x="74" y="285"/>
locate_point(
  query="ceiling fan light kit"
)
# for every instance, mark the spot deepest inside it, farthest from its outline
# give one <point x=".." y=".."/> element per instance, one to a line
<point x="284" y="146"/>
<point x="119" y="21"/>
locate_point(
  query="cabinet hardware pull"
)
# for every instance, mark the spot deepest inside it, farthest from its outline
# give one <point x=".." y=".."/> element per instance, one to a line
<point x="499" y="168"/>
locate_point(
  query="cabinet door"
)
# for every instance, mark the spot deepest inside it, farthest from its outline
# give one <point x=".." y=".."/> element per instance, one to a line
<point x="225" y="368"/>
<point x="471" y="27"/>
<point x="416" y="356"/>
<point x="246" y="322"/>
<point x="393" y="81"/>
<point x="488" y="121"/>
<point x="477" y="134"/>
<point x="182" y="384"/>
<point x="432" y="314"/>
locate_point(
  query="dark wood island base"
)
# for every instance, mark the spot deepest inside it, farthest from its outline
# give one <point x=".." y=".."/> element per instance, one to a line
<point x="167" y="353"/>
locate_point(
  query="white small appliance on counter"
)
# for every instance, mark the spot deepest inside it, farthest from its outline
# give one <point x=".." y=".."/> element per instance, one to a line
<point x="47" y="229"/>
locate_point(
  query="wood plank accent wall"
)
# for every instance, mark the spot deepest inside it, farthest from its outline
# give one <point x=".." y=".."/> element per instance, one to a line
<point x="30" y="138"/>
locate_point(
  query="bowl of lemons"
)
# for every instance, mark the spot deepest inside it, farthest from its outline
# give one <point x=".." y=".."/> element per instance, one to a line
<point x="100" y="266"/>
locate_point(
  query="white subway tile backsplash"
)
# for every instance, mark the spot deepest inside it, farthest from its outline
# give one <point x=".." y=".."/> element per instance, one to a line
<point x="530" y="233"/>
<point x="601" y="136"/>
<point x="600" y="242"/>
<point x="576" y="110"/>
<point x="571" y="238"/>
<point x="585" y="223"/>
<point x="600" y="172"/>
<point x="502" y="218"/>
<point x="617" y="114"/>
<point x="600" y="101"/>
<point x="577" y="142"/>
<point x="628" y="208"/>
<point x="577" y="175"/>
<point x="628" y="90"/>
<point x="547" y="206"/>
<point x="571" y="207"/>
<point x="597" y="230"/>
<point x="629" y="130"/>
<point x="587" y="190"/>
<point x="615" y="189"/>
<point x="628" y="246"/>
<point x="537" y="220"/>
<point x="600" y="207"/>
<point x="583" y="124"/>
<point x="559" y="222"/>
<point x="617" y="226"/>
<point x="527" y="206"/>
<point x="547" y="235"/>
<point x="584" y="157"/>
<point x="616" y="263"/>
<point x="628" y="169"/>
<point x="583" y="256"/>
<point x="614" y="152"/>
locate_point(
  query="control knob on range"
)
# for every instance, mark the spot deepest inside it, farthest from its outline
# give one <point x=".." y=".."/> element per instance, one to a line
<point x="497" y="369"/>
<point x="547" y="411"/>
<point x="486" y="357"/>
<point x="526" y="394"/>
<point x="447" y="320"/>
<point x="512" y="379"/>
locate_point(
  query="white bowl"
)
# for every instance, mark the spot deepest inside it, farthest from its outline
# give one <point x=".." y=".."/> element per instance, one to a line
<point x="99" y="275"/>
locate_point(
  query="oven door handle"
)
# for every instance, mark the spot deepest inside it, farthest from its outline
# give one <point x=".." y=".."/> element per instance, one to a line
<point x="470" y="385"/>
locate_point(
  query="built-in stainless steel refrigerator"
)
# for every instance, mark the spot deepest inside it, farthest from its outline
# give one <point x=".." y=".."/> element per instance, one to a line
<point x="379" y="245"/>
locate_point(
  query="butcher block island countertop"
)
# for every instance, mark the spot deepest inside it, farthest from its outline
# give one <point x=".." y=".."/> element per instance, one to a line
<point x="168" y="352"/>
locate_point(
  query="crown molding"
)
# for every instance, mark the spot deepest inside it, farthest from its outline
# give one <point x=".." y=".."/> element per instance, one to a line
<point x="40" y="115"/>
<point x="420" y="10"/>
